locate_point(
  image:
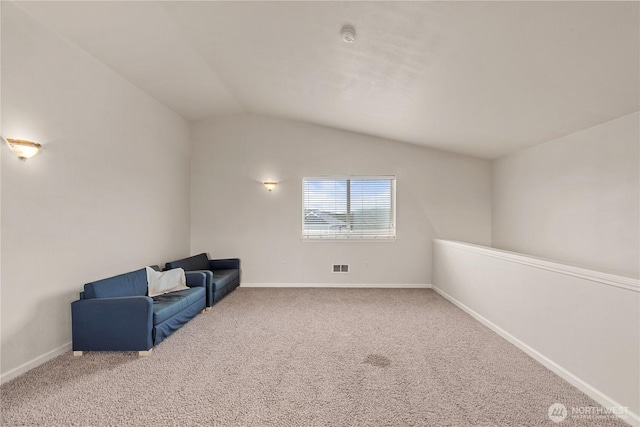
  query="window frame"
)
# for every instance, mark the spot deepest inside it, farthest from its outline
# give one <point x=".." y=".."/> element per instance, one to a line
<point x="351" y="237"/>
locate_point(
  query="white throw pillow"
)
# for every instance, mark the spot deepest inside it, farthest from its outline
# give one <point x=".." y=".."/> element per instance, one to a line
<point x="161" y="282"/>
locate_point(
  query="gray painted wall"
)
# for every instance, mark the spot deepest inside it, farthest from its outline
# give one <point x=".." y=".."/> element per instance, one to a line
<point x="109" y="194"/>
<point x="438" y="195"/>
<point x="574" y="199"/>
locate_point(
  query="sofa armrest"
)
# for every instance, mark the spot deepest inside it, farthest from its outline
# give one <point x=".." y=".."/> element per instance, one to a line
<point x="196" y="278"/>
<point x="224" y="264"/>
<point x="208" y="274"/>
<point x="112" y="324"/>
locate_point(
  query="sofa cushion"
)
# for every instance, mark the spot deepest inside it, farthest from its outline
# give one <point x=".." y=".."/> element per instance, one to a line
<point x="196" y="262"/>
<point x="167" y="305"/>
<point x="124" y="285"/>
<point x="222" y="278"/>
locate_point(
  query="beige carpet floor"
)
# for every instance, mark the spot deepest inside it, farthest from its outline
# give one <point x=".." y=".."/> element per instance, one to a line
<point x="304" y="357"/>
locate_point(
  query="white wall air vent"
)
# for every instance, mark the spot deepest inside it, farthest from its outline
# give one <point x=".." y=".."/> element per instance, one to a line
<point x="340" y="268"/>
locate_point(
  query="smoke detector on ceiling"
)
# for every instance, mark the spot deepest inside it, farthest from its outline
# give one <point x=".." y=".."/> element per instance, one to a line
<point x="348" y="34"/>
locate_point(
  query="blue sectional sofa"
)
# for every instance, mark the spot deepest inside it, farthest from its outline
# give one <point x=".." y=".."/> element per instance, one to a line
<point x="115" y="314"/>
<point x="223" y="275"/>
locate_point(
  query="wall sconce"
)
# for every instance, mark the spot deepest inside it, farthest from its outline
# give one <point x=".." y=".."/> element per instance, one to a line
<point x="23" y="149"/>
<point x="269" y="185"/>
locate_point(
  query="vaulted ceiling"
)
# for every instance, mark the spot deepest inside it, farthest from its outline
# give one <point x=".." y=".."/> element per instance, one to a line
<point x="480" y="78"/>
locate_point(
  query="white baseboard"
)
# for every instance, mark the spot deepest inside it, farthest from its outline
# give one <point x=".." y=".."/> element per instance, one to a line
<point x="15" y="372"/>
<point x="578" y="383"/>
<point x="339" y="285"/>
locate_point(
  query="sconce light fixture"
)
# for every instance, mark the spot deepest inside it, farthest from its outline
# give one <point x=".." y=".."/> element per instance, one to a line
<point x="23" y="149"/>
<point x="269" y="185"/>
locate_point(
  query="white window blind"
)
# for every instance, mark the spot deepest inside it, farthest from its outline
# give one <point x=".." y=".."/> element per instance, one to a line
<point x="349" y="208"/>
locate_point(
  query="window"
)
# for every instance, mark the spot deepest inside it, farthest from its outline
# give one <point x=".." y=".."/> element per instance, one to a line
<point x="349" y="208"/>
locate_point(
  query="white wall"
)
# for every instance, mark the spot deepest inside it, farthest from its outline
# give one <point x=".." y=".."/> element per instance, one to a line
<point x="581" y="324"/>
<point x="574" y="199"/>
<point x="109" y="194"/>
<point x="438" y="195"/>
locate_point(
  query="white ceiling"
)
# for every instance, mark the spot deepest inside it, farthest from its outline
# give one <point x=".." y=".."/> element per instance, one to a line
<point x="480" y="78"/>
